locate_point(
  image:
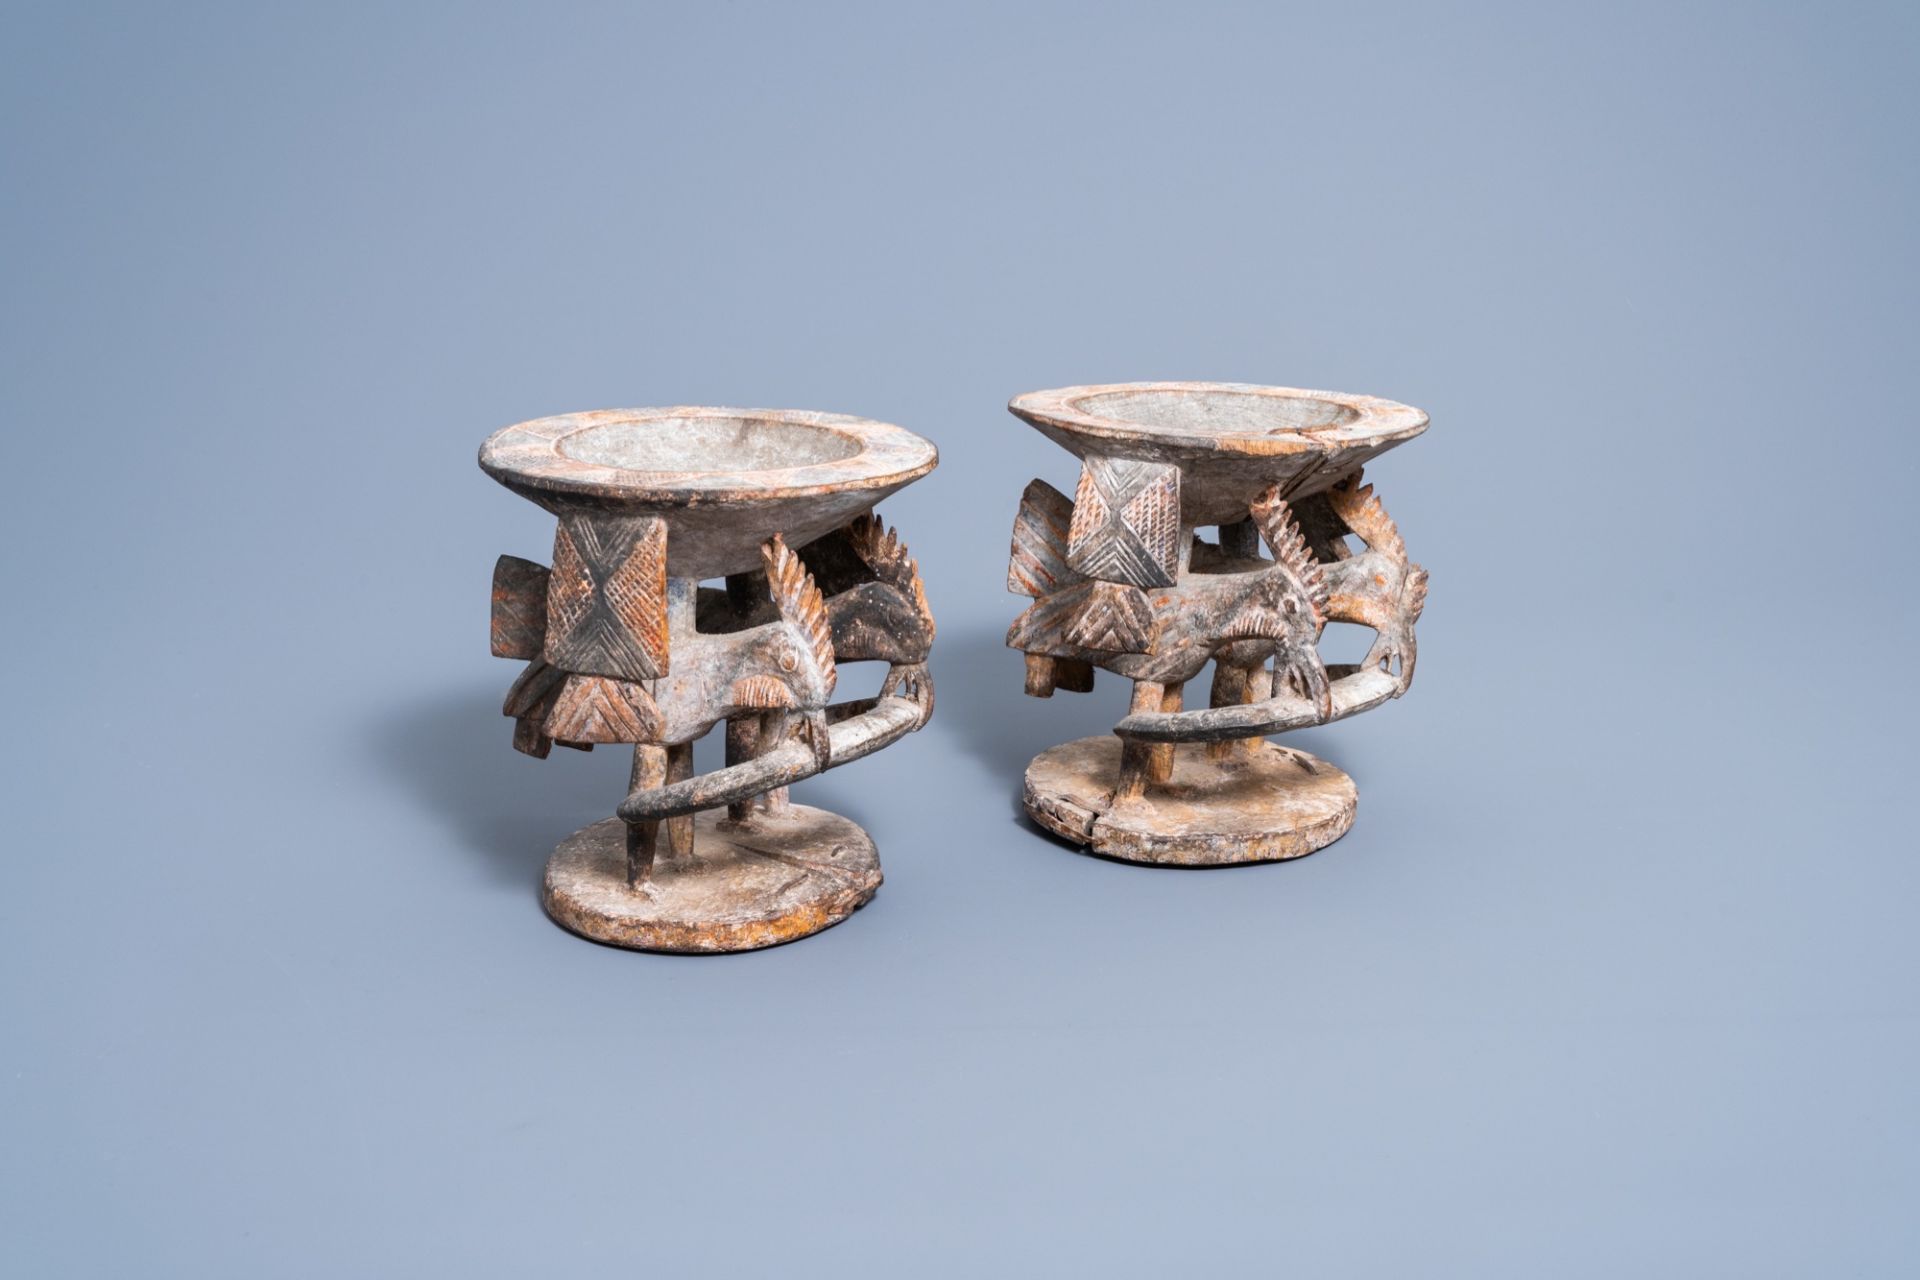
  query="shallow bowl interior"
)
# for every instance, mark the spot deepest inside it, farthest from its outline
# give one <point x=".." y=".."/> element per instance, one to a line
<point x="724" y="480"/>
<point x="705" y="445"/>
<point x="1217" y="411"/>
<point x="1230" y="440"/>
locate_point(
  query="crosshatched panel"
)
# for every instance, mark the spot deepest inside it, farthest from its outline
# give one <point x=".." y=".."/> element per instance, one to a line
<point x="1126" y="522"/>
<point x="607" y="597"/>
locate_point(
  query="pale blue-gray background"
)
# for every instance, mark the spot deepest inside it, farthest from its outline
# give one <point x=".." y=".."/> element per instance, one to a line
<point x="1616" y="973"/>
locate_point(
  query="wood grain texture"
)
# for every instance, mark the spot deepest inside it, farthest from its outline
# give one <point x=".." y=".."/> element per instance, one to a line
<point x="785" y="878"/>
<point x="643" y="836"/>
<point x="626" y="646"/>
<point x="1273" y="469"/>
<point x="725" y="479"/>
<point x="1037" y="564"/>
<point x="533" y="690"/>
<point x="1039" y="676"/>
<point x="519" y="619"/>
<point x="1276" y="804"/>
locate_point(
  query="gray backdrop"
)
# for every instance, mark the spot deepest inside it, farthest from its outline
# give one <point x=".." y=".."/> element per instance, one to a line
<point x="1616" y="972"/>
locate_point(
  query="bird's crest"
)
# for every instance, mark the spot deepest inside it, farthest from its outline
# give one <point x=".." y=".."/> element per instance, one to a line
<point x="800" y="604"/>
<point x="1290" y="551"/>
<point x="1355" y="504"/>
<point x="883" y="552"/>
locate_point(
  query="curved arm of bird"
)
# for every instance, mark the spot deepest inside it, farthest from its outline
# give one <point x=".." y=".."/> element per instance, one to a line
<point x="885" y="722"/>
<point x="1349" y="695"/>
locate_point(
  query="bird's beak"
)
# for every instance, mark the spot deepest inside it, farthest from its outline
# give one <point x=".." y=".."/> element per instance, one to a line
<point x="1307" y="676"/>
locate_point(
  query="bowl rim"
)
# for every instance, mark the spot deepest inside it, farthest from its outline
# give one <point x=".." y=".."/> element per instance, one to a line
<point x="527" y="455"/>
<point x="1380" y="423"/>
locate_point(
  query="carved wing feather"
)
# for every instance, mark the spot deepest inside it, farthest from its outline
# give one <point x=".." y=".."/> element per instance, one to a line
<point x="1037" y="563"/>
<point x="759" y="691"/>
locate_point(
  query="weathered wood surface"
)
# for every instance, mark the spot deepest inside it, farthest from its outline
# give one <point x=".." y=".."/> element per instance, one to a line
<point x="643" y="836"/>
<point x="594" y="709"/>
<point x="1380" y="587"/>
<point x="1264" y="610"/>
<point x="724" y="479"/>
<point x="1350" y="695"/>
<point x="1135" y="767"/>
<point x="519" y="620"/>
<point x="880" y="725"/>
<point x="749" y="887"/>
<point x="625" y="646"/>
<point x="1274" y="803"/>
<point x="1229" y="440"/>
<point x="736" y="656"/>
<point x="1042" y="532"/>
<point x="1269" y="467"/>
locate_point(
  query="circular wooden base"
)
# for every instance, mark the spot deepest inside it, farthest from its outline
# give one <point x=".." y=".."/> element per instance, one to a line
<point x="1266" y="803"/>
<point x="746" y="886"/>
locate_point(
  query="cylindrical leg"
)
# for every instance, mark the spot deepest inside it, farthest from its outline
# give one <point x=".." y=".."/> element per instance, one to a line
<point x="743" y="739"/>
<point x="1231" y="687"/>
<point x="680" y="829"/>
<point x="1039" y="676"/>
<point x="1162" y="767"/>
<point x="1259" y="689"/>
<point x="1241" y="540"/>
<point x="773" y="731"/>
<point x="1136" y="758"/>
<point x="746" y="591"/>
<point x="1229" y="690"/>
<point x="649" y="771"/>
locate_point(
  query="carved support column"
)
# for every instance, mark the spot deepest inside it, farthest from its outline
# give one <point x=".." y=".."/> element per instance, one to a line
<point x="1162" y="766"/>
<point x="743" y="739"/>
<point x="1232" y="687"/>
<point x="643" y="838"/>
<point x="1229" y="690"/>
<point x="745" y="591"/>
<point x="1241" y="539"/>
<point x="680" y="829"/>
<point x="1136" y="759"/>
<point x="771" y="733"/>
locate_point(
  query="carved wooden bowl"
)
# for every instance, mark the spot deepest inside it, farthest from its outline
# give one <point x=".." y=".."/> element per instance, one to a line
<point x="724" y="480"/>
<point x="625" y="645"/>
<point x="1154" y="570"/>
<point x="1230" y="440"/>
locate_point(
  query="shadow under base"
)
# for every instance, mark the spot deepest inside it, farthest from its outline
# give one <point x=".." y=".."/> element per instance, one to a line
<point x="1265" y="804"/>
<point x="746" y="886"/>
